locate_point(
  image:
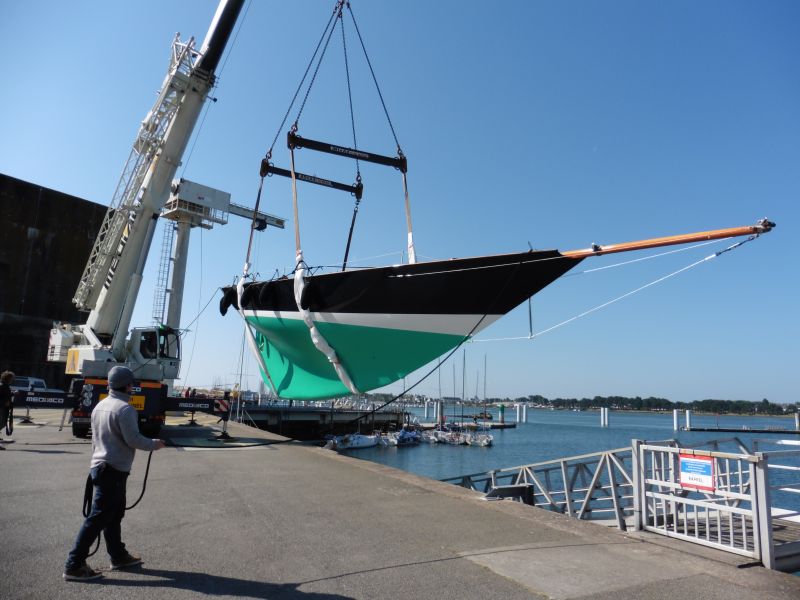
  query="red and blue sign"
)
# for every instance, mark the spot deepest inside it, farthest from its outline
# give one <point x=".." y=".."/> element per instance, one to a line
<point x="697" y="472"/>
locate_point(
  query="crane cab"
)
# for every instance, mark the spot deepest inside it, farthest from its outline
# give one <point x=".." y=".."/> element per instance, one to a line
<point x="158" y="345"/>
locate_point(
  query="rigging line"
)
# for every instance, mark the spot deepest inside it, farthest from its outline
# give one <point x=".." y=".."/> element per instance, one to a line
<point x="358" y="260"/>
<point x="374" y="78"/>
<point x="194" y="339"/>
<point x="252" y="228"/>
<point x="302" y="81"/>
<point x="355" y="146"/>
<point x="338" y="14"/>
<point x="196" y="135"/>
<point x="232" y="45"/>
<point x="558" y="257"/>
<point x="195" y="138"/>
<point x="185" y="329"/>
<point x="628" y="262"/>
<point x="632" y="292"/>
<point x="241" y="367"/>
<point x="350" y="97"/>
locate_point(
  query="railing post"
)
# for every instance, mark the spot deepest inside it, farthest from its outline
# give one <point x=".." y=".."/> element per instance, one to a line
<point x="762" y="512"/>
<point x="637" y="475"/>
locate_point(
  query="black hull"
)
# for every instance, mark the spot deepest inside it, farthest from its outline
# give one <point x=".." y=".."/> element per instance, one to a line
<point x="490" y="285"/>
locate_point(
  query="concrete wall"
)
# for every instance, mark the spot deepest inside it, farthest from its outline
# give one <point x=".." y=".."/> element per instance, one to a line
<point x="45" y="243"/>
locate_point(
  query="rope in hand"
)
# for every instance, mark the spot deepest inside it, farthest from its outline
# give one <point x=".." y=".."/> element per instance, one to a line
<point x="88" y="495"/>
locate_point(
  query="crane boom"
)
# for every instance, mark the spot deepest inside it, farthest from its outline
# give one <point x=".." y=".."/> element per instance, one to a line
<point x="110" y="282"/>
<point x="113" y="275"/>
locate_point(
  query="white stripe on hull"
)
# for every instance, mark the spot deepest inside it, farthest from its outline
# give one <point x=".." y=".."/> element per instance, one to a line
<point x="444" y="324"/>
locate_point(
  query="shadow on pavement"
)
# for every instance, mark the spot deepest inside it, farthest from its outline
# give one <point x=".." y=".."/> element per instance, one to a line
<point x="217" y="585"/>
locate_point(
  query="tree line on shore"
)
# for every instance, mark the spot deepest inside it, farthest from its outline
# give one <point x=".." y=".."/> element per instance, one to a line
<point x="738" y="407"/>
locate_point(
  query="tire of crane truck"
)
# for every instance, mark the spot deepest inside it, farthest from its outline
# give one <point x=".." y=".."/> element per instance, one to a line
<point x="80" y="431"/>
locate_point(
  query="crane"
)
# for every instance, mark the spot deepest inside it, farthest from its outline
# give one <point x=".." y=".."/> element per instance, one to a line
<point x="111" y="280"/>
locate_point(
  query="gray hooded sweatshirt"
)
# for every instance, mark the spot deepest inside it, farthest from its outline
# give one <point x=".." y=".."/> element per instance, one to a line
<point x="115" y="433"/>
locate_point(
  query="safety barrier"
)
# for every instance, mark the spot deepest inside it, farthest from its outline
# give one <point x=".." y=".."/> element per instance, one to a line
<point x="719" y="494"/>
<point x="597" y="485"/>
<point x="705" y="497"/>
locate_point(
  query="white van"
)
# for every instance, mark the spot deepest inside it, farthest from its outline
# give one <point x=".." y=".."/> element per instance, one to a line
<point x="21" y="382"/>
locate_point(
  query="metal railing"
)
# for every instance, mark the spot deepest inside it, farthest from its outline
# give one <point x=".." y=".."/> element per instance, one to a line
<point x="718" y="493"/>
<point x="597" y="485"/>
<point x="781" y="490"/>
<point x="703" y="496"/>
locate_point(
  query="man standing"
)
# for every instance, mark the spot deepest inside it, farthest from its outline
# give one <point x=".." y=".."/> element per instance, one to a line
<point x="115" y="439"/>
<point x="6" y="402"/>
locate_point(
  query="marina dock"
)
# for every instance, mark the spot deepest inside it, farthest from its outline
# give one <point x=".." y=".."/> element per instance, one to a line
<point x="262" y="517"/>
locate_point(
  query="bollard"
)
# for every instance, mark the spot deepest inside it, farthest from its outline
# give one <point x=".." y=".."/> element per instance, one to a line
<point x="675" y="419"/>
<point x="688" y="420"/>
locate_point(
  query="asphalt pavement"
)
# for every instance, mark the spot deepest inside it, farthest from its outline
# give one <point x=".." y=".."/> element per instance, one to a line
<point x="260" y="517"/>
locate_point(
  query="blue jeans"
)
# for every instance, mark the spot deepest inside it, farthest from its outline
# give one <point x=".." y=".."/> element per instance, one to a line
<point x="108" y="509"/>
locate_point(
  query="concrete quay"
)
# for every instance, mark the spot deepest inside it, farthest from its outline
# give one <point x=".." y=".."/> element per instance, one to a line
<point x="257" y="518"/>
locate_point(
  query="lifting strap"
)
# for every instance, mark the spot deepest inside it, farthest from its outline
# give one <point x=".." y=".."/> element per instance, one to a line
<point x="251" y="339"/>
<point x="320" y="343"/>
<point x="399" y="162"/>
<point x="412" y="254"/>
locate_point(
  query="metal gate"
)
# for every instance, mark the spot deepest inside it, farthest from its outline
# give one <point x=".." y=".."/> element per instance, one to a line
<point x="705" y="497"/>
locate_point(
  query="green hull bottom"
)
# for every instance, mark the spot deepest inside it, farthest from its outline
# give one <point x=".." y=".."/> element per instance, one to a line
<point x="373" y="357"/>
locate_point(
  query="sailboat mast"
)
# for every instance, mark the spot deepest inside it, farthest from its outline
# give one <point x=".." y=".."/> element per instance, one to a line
<point x="484" y="382"/>
<point x="463" y="383"/>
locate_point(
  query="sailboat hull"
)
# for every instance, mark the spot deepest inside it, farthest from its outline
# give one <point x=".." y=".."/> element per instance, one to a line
<point x="385" y="322"/>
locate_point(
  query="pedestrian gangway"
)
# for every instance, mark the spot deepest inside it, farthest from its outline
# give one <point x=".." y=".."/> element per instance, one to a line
<point x="721" y="494"/>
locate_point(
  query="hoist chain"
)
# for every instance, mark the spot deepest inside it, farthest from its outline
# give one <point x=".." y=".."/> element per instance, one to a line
<point x="349" y="94"/>
<point x="334" y="14"/>
<point x="337" y="15"/>
<point x="375" y="80"/>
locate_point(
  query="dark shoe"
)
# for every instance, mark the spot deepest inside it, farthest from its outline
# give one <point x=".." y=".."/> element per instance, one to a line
<point x="129" y="560"/>
<point x="82" y="573"/>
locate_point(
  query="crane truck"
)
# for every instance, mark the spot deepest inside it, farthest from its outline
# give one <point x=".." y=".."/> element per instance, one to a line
<point x="113" y="274"/>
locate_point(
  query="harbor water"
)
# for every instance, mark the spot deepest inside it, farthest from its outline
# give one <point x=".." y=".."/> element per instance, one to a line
<point x="553" y="434"/>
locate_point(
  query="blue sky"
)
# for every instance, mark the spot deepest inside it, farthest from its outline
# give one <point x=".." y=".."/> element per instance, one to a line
<point x="557" y="124"/>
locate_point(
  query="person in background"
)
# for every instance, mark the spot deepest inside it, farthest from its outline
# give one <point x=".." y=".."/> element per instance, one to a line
<point x="115" y="439"/>
<point x="6" y="402"/>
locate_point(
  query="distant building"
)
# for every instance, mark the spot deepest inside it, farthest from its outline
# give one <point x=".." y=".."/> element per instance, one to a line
<point x="44" y="245"/>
